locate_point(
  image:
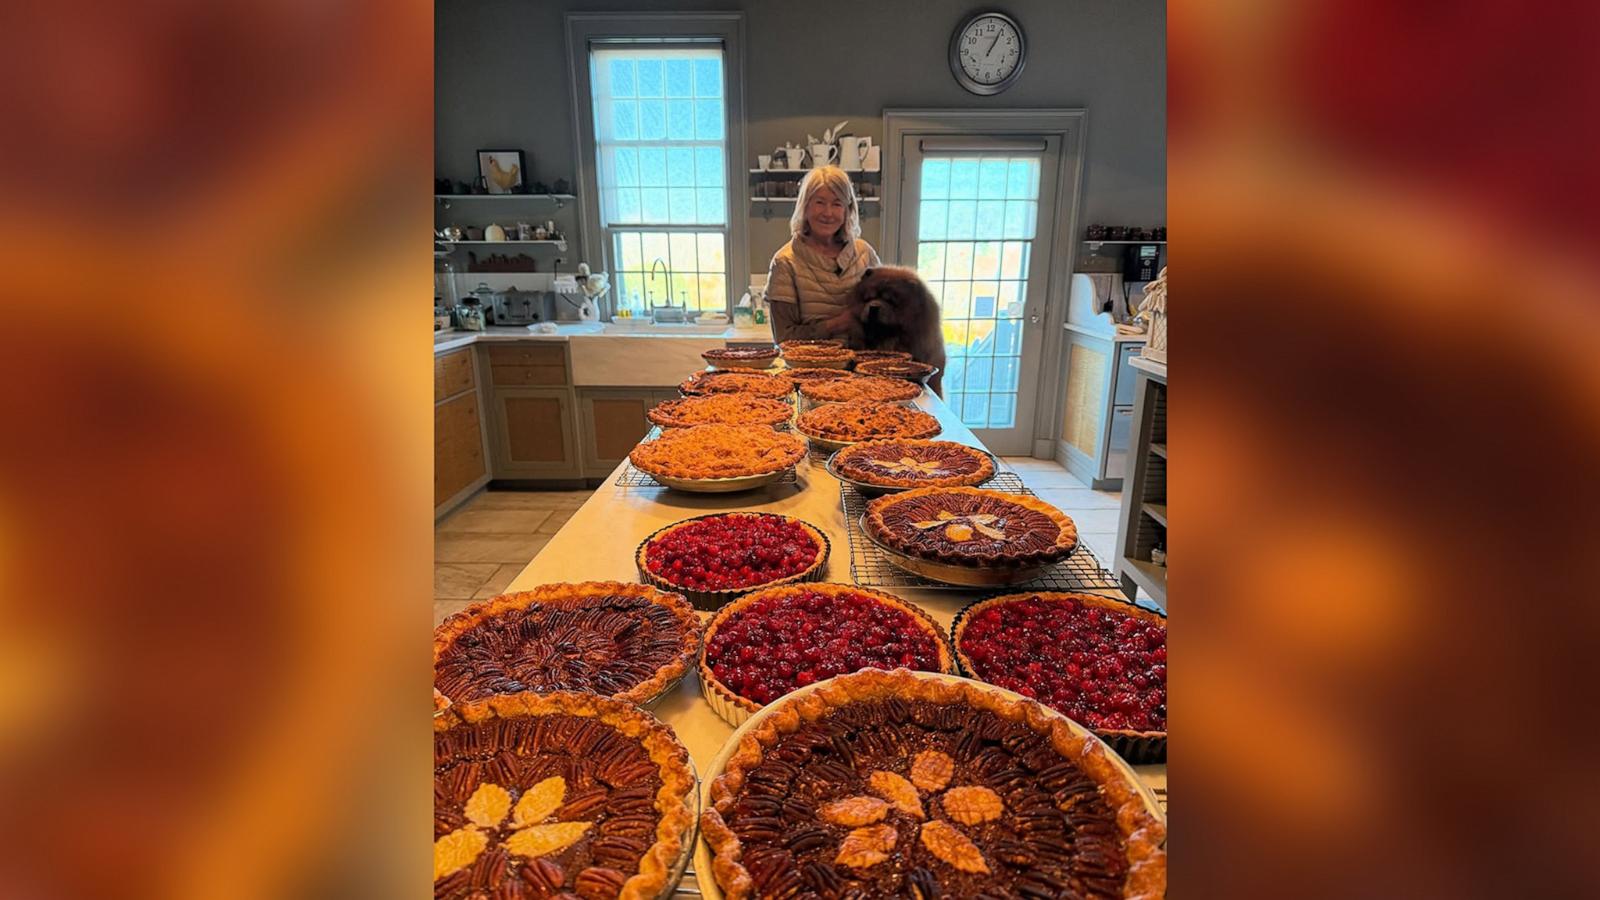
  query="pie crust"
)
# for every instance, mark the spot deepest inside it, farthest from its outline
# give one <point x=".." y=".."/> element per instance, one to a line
<point x="720" y="409"/>
<point x="760" y="384"/>
<point x="861" y="389"/>
<point x="583" y="642"/>
<point x="865" y="356"/>
<point x="849" y="422"/>
<point x="1134" y="746"/>
<point x="907" y="369"/>
<point x="972" y="527"/>
<point x="741" y="357"/>
<point x="902" y="463"/>
<point x="819" y="357"/>
<point x="786" y="346"/>
<point x="606" y="756"/>
<point x="771" y="833"/>
<point x="804" y="375"/>
<point x="706" y="599"/>
<point x="735" y="708"/>
<point x="718" y="451"/>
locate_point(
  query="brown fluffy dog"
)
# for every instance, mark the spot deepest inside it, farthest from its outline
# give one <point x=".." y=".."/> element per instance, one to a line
<point x="891" y="309"/>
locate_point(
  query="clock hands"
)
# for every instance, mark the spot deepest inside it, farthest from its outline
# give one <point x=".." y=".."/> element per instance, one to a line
<point x="991" y="45"/>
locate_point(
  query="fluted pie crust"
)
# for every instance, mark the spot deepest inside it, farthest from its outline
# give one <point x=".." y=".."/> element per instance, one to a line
<point x="818" y="356"/>
<point x="718" y="451"/>
<point x="861" y="389"/>
<point x="805" y="375"/>
<point x="672" y="802"/>
<point x="641" y="555"/>
<point x="866" y="356"/>
<point x="481" y="617"/>
<point x="804" y="344"/>
<point x="742" y="353"/>
<point x="720" y="409"/>
<point x="725" y="381"/>
<point x="736" y="608"/>
<point x="1142" y="836"/>
<point x="904" y="369"/>
<point x="866" y="421"/>
<point x="957" y="525"/>
<point x="900" y="462"/>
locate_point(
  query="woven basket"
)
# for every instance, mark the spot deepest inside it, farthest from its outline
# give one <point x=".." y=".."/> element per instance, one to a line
<point x="1156" y="347"/>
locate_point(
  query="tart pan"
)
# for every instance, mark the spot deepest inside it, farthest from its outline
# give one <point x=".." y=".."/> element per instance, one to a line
<point x="711" y="601"/>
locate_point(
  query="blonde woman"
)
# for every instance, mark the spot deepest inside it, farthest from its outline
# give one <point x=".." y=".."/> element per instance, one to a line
<point x="811" y="276"/>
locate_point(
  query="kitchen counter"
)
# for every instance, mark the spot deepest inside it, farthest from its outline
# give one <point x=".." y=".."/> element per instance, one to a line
<point x="444" y="341"/>
<point x="598" y="544"/>
<point x="1158" y="369"/>
<point x="1113" y="337"/>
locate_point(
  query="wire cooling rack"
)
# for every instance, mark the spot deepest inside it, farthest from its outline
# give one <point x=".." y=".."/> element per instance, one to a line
<point x="870" y="567"/>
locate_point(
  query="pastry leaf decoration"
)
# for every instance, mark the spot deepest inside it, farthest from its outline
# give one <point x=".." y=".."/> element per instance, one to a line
<point x="960" y="528"/>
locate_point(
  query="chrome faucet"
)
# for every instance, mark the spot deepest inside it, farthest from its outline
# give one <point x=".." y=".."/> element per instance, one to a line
<point x="667" y="313"/>
<point x="664" y="272"/>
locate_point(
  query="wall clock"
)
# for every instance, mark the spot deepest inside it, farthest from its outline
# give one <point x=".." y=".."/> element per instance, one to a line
<point x="987" y="52"/>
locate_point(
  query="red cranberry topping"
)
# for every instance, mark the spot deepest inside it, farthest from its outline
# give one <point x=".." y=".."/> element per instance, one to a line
<point x="729" y="552"/>
<point x="1105" y="669"/>
<point x="777" y="644"/>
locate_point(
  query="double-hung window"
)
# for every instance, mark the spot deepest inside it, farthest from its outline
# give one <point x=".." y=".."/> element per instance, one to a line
<point x="660" y="125"/>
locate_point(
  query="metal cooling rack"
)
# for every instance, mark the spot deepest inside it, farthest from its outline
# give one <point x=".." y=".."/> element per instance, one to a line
<point x="869" y="567"/>
<point x="689" y="886"/>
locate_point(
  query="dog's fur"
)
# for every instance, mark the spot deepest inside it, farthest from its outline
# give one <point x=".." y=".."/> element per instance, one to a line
<point x="891" y="309"/>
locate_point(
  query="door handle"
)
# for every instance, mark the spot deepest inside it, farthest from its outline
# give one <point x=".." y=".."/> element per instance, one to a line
<point x="1033" y="319"/>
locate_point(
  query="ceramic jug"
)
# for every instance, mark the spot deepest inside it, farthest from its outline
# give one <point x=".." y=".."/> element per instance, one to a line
<point x="853" y="152"/>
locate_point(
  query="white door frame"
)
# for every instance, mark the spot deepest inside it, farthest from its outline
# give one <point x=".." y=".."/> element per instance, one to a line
<point x="1069" y="124"/>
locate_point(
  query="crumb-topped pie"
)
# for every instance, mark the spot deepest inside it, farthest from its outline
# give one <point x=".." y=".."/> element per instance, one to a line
<point x="760" y="384"/>
<point x="628" y="641"/>
<point x="907" y="369"/>
<point x="805" y="375"/>
<point x="849" y="422"/>
<point x="900" y="463"/>
<point x="773" y="641"/>
<point x="819" y="357"/>
<point x="861" y="389"/>
<point x="741" y="357"/>
<point x="902" y="784"/>
<point x="720" y="409"/>
<point x="557" y="795"/>
<point x="1098" y="661"/>
<point x="718" y="451"/>
<point x="712" y="558"/>
<point x="971" y="527"/>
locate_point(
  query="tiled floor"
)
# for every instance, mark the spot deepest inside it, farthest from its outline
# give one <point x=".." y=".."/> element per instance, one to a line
<point x="480" y="547"/>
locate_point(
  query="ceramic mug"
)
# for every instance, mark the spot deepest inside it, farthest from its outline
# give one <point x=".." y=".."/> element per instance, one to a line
<point x="823" y="155"/>
<point x="764" y="161"/>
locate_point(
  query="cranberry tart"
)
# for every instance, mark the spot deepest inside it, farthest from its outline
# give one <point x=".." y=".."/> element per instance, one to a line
<point x="562" y="794"/>
<point x="720" y="409"/>
<point x="628" y="641"/>
<point x="834" y="425"/>
<point x="1098" y="661"/>
<point x="904" y="784"/>
<point x="759" y="384"/>
<point x="771" y="642"/>
<point x="711" y="559"/>
<point x="971" y="527"/>
<point x="741" y="357"/>
<point x="899" y="464"/>
<point x="861" y="389"/>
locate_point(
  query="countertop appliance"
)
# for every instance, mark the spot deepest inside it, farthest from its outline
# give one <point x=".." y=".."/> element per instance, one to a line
<point x="513" y="306"/>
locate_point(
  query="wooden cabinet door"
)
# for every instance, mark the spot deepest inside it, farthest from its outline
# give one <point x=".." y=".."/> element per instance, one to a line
<point x="613" y="421"/>
<point x="452" y="373"/>
<point x="535" y="433"/>
<point x="457" y="447"/>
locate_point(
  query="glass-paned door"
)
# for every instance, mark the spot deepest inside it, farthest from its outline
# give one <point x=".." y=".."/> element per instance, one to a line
<point x="976" y="216"/>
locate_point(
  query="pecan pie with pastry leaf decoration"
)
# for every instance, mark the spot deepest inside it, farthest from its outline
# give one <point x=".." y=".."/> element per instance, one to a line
<point x="561" y="794"/>
<point x="718" y="451"/>
<point x="861" y="389"/>
<point x="913" y="464"/>
<point x="741" y="357"/>
<point x="902" y="784"/>
<point x="720" y="409"/>
<point x="760" y="384"/>
<point x="865" y="421"/>
<point x="627" y="641"/>
<point x="972" y="527"/>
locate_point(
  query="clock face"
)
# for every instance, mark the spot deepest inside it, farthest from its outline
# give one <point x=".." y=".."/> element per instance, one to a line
<point x="988" y="52"/>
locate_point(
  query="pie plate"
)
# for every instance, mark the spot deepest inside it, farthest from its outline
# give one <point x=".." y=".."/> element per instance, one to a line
<point x="691" y="839"/>
<point x="702" y="853"/>
<point x="950" y="573"/>
<point x="743" y="363"/>
<point x="718" y="485"/>
<point x="878" y="490"/>
<point x="824" y="444"/>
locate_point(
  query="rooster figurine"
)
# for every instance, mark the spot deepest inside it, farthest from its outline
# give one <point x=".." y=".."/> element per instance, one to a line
<point x="502" y="179"/>
<point x="594" y="286"/>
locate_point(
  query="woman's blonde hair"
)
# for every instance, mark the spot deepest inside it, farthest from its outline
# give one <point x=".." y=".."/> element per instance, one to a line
<point x="834" y="179"/>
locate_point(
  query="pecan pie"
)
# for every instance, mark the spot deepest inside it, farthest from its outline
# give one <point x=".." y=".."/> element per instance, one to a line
<point x="803" y="376"/>
<point x="741" y="357"/>
<point x="865" y="356"/>
<point x="627" y="641"/>
<point x="770" y="642"/>
<point x="810" y="344"/>
<point x="819" y="357"/>
<point x="902" y="784"/>
<point x="1098" y="661"/>
<point x="911" y="464"/>
<point x="718" y="451"/>
<point x="559" y="794"/>
<point x="760" y="384"/>
<point x="865" y="421"/>
<point x="907" y="369"/>
<point x="972" y="527"/>
<point x="861" y="389"/>
<point x="720" y="409"/>
<point x="712" y="558"/>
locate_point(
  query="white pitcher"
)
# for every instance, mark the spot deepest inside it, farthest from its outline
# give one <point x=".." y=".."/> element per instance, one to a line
<point x="823" y="155"/>
<point x="853" y="152"/>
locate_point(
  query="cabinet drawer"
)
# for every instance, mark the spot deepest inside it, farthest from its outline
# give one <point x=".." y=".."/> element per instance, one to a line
<point x="455" y="422"/>
<point x="524" y="376"/>
<point x="1126" y="376"/>
<point x="452" y="374"/>
<point x="527" y="354"/>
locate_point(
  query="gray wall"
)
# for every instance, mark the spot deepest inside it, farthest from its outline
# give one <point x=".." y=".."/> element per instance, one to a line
<point x="500" y="81"/>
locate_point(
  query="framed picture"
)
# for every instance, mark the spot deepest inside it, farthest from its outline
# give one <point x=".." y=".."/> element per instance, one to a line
<point x="502" y="171"/>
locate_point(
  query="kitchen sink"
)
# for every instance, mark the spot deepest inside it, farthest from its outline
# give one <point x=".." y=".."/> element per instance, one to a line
<point x="644" y="326"/>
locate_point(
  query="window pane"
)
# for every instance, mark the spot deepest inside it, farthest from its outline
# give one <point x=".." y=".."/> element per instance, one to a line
<point x="958" y="261"/>
<point x="980" y="342"/>
<point x="931" y="223"/>
<point x="625" y="120"/>
<point x="955" y="337"/>
<point x="1008" y="337"/>
<point x="680" y="80"/>
<point x="1023" y="180"/>
<point x="1014" y="260"/>
<point x="1002" y="410"/>
<point x="992" y="179"/>
<point x="964" y="179"/>
<point x="974" y="410"/>
<point x="957" y="302"/>
<point x="708" y="166"/>
<point x="652" y="120"/>
<point x="1005" y="373"/>
<point x="708" y="120"/>
<point x="622" y="78"/>
<point x="935" y="179"/>
<point x="991" y="214"/>
<point x="681" y="206"/>
<point x="649" y="77"/>
<point x="685" y="290"/>
<point x="708" y="78"/>
<point x="652" y="167"/>
<point x="627" y="166"/>
<point x="955" y="369"/>
<point x="655" y="248"/>
<point x="977" y="374"/>
<point x="680" y="167"/>
<point x="984" y="302"/>
<point x="683" y="251"/>
<point x="1011" y="298"/>
<point x="1019" y="219"/>
<point x="628" y="210"/>
<point x="930" y="260"/>
<point x="629" y="251"/>
<point x="654" y="201"/>
<point x="714" y="292"/>
<point x="713" y="206"/>
<point x="962" y="225"/>
<point x="986" y="260"/>
<point x="680" y="120"/>
<point x="711" y="253"/>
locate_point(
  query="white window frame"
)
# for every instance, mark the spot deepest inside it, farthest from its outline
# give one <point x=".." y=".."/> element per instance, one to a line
<point x="587" y="29"/>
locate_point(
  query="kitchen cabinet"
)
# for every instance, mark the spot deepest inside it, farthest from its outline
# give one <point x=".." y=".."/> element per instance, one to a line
<point x="1142" y="524"/>
<point x="459" y="465"/>
<point x="611" y="421"/>
<point x="1097" y="410"/>
<point x="535" y="433"/>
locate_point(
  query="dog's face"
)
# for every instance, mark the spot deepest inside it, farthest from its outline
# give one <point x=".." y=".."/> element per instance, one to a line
<point x="892" y="297"/>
